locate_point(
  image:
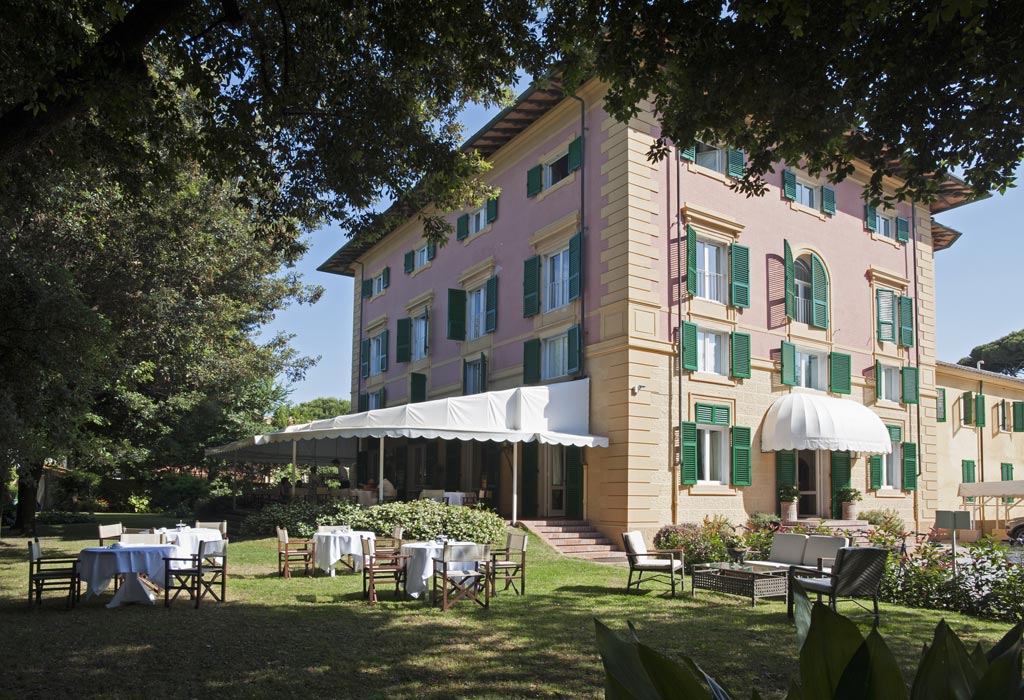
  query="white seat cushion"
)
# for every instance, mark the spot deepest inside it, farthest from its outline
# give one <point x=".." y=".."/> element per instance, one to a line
<point x="788" y="548"/>
<point x="822" y="547"/>
<point x="650" y="563"/>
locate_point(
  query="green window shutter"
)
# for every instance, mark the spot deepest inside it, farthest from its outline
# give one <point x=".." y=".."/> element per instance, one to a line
<point x="871" y="218"/>
<point x="367" y="289"/>
<point x="740" y="355"/>
<point x="403" y="340"/>
<point x="531" y="286"/>
<point x="1006" y="470"/>
<point x="910" y="466"/>
<point x="788" y="364"/>
<point x="711" y="414"/>
<point x="967" y="407"/>
<point x="878" y="379"/>
<point x="909" y="378"/>
<point x="456" y="314"/>
<point x="575" y="249"/>
<point x="363" y="403"/>
<point x="906" y="322"/>
<point x="739" y="283"/>
<point x="840" y="479"/>
<point x="688" y="453"/>
<point x="885" y="314"/>
<point x="462" y="227"/>
<point x="573" y="482"/>
<point x="785" y="468"/>
<point x="387" y="277"/>
<point x="491" y="299"/>
<point x="492" y="209"/>
<point x="789" y="184"/>
<point x="839" y="373"/>
<point x="431" y="251"/>
<point x="574" y="350"/>
<point x="819" y="293"/>
<point x="417" y="387"/>
<point x="690" y="346"/>
<point x="790" y="280"/>
<point x="895" y="433"/>
<point x="410" y="261"/>
<point x="691" y="260"/>
<point x="736" y="159"/>
<point x="534" y="181"/>
<point x="902" y="230"/>
<point x="940" y="405"/>
<point x="875" y="472"/>
<point x="828" y="200"/>
<point x="1018" y="416"/>
<point x="980" y="414"/>
<point x="689" y="153"/>
<point x="575" y="153"/>
<point x="364" y="357"/>
<point x="531" y="474"/>
<point x="1005" y="416"/>
<point x="384" y="350"/>
<point x="967" y="473"/>
<point x="531" y="361"/>
<point x="741" y="456"/>
<point x="382" y="397"/>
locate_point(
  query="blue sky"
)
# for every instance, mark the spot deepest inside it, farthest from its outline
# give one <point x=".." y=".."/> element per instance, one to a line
<point x="977" y="286"/>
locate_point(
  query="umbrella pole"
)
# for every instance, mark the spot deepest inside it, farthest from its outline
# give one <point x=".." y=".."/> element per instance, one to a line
<point x="380" y="480"/>
<point x="295" y="458"/>
<point x="515" y="481"/>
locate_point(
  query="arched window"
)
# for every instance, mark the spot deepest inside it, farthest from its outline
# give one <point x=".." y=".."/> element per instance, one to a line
<point x="806" y="289"/>
<point x="802" y="275"/>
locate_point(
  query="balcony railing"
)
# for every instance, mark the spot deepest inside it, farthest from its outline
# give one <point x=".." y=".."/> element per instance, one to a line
<point x="711" y="285"/>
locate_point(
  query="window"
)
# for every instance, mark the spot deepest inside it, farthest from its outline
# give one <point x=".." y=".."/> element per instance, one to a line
<point x="475" y="381"/>
<point x="375" y="399"/>
<point x="711" y="271"/>
<point x="892" y="467"/>
<point x="378" y="354"/>
<point x="1004" y="417"/>
<point x="712" y="455"/>
<point x="886" y="226"/>
<point x="476" y="310"/>
<point x="420" y="327"/>
<point x="380" y="283"/>
<point x="712" y="158"/>
<point x="478" y="220"/>
<point x="422" y="257"/>
<point x="711" y="352"/>
<point x="889" y="387"/>
<point x="811" y="369"/>
<point x="806" y="195"/>
<point x="556" y="170"/>
<point x="555" y="356"/>
<point x="556" y="280"/>
<point x="802" y="276"/>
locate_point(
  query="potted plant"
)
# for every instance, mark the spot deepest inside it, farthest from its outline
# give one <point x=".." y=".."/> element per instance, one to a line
<point x="736" y="546"/>
<point x="849" y="496"/>
<point x="788" y="496"/>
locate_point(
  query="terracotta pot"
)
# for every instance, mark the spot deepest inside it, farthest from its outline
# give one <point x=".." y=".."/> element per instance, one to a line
<point x="789" y="511"/>
<point x="850" y="511"/>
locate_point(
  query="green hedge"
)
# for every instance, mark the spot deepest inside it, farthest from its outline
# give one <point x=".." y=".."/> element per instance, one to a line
<point x="420" y="520"/>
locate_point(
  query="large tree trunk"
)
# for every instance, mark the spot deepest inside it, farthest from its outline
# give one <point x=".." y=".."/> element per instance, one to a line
<point x="27" y="483"/>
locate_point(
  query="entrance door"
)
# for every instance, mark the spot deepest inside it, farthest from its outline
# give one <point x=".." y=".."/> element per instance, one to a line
<point x="807" y="482"/>
<point x="556" y="480"/>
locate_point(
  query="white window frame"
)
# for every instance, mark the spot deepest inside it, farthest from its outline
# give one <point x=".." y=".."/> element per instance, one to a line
<point x="892" y="468"/>
<point x="378" y="284"/>
<point x="808" y="195"/>
<point x="1004" y="416"/>
<point x="885" y="225"/>
<point x="477" y="220"/>
<point x="474" y="371"/>
<point x="378" y="351"/>
<point x="421" y="336"/>
<point x="712" y="352"/>
<point x="550" y="172"/>
<point x="711" y="284"/>
<point x="802" y="290"/>
<point x="373" y="401"/>
<point x="705" y="469"/>
<point x="811" y="369"/>
<point x="554" y="356"/>
<point x="555" y="271"/>
<point x="421" y="258"/>
<point x="476" y="312"/>
<point x="891" y="381"/>
<point x="711" y="157"/>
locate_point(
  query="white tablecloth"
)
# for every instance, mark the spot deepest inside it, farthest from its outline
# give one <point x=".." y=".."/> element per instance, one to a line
<point x="188" y="539"/>
<point x="455" y="498"/>
<point x="98" y="566"/>
<point x="420" y="567"/>
<point x="332" y="546"/>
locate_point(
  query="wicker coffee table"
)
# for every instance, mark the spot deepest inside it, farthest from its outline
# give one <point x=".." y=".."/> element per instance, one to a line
<point x="739" y="580"/>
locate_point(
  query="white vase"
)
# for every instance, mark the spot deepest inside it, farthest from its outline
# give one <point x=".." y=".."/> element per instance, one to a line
<point x="789" y="511"/>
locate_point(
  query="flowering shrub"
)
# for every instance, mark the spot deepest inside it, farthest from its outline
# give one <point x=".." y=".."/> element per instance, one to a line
<point x="885" y="519"/>
<point x="703" y="542"/>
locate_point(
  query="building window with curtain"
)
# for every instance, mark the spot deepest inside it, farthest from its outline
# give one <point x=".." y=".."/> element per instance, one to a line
<point x="712" y="455"/>
<point x="476" y="311"/>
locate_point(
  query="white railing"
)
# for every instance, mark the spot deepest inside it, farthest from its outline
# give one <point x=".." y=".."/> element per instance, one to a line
<point x="711" y="285"/>
<point x="803" y="310"/>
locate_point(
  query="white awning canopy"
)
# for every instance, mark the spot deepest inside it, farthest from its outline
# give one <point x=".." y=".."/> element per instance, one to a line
<point x="802" y="421"/>
<point x="998" y="489"/>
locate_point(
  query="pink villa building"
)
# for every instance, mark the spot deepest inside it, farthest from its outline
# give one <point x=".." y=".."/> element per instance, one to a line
<point x="720" y="333"/>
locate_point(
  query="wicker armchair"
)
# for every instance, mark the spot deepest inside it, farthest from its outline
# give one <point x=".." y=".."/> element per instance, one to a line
<point x="292" y="552"/>
<point x="857" y="573"/>
<point x="659" y="565"/>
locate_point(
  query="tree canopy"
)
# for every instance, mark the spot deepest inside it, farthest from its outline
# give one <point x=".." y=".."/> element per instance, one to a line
<point x="1005" y="355"/>
<point x="315" y="409"/>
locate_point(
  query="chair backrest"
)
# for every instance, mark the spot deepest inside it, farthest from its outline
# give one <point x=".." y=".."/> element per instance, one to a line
<point x="34" y="551"/>
<point x="213" y="552"/>
<point x="466" y="552"/>
<point x="109" y="532"/>
<point x="215" y="525"/>
<point x="432" y="495"/>
<point x="324" y="529"/>
<point x="397" y="531"/>
<point x="634" y="542"/>
<point x="368" y="547"/>
<point x="858" y="570"/>
<point x="515" y="542"/>
<point x="141" y="538"/>
<point x="282" y="535"/>
<point x="788" y="548"/>
<point x="822" y="547"/>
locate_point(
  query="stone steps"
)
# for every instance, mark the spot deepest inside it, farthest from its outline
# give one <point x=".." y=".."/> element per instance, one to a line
<point x="574" y="538"/>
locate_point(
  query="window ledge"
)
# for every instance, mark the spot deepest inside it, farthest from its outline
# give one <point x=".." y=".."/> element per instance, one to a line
<point x="710" y="378"/>
<point x="708" y="172"/>
<point x="816" y="213"/>
<point x="473" y="236"/>
<point x="888" y="403"/>
<point x="564" y="182"/>
<point x="711" y="490"/>
<point x="891" y="241"/>
<point x="420" y="269"/>
<point x="378" y="295"/>
<point x="890" y="493"/>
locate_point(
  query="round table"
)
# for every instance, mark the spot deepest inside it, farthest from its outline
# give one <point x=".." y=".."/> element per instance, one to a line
<point x="420" y="567"/>
<point x="188" y="539"/>
<point x="99" y="565"/>
<point x="332" y="546"/>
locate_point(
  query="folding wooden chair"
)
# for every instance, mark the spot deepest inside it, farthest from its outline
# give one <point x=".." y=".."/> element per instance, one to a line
<point x="509" y="564"/>
<point x="221" y="525"/>
<point x="381" y="568"/>
<point x="205" y="572"/>
<point x="461" y="573"/>
<point x="52" y="574"/>
<point x="293" y="552"/>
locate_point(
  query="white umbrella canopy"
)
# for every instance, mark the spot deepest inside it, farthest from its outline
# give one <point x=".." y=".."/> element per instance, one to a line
<point x="801" y="421"/>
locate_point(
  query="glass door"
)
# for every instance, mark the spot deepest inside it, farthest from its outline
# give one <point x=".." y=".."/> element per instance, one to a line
<point x="556" y="480"/>
<point x="807" y="482"/>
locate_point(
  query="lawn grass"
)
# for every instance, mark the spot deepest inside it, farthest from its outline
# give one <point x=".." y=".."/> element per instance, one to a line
<point x="315" y="637"/>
